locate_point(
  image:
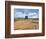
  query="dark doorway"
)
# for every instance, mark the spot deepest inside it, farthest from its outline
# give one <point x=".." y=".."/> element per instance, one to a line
<point x="26" y="17"/>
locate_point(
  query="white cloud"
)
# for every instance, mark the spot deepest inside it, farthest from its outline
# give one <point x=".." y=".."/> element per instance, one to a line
<point x="33" y="15"/>
<point x="19" y="14"/>
<point x="30" y="15"/>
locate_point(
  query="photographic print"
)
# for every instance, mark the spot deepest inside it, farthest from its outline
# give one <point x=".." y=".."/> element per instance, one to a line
<point x="26" y="18"/>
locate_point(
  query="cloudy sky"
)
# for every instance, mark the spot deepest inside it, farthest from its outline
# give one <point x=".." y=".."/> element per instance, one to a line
<point x="21" y="13"/>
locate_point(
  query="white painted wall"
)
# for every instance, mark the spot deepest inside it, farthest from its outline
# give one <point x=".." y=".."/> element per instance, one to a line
<point x="2" y="20"/>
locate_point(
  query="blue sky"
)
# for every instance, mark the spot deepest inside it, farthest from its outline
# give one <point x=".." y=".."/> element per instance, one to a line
<point x="21" y="13"/>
